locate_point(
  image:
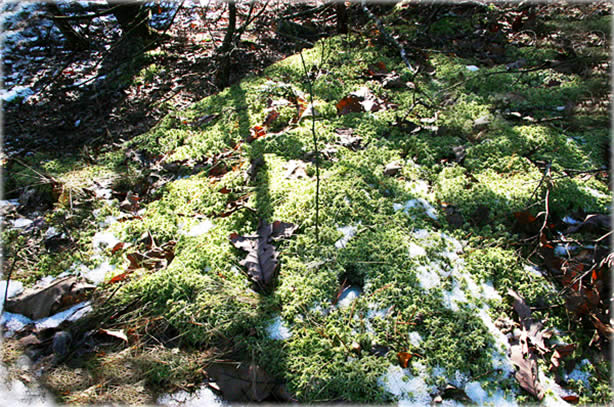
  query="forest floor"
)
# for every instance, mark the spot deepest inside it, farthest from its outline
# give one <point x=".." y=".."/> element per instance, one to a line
<point x="448" y="241"/>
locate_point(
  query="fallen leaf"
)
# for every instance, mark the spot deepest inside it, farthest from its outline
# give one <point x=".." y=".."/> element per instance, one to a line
<point x="256" y="132"/>
<point x="239" y="382"/>
<point x="524" y="218"/>
<point x="270" y="118"/>
<point x="295" y="169"/>
<point x="349" y="104"/>
<point x="114" y="333"/>
<point x="531" y="328"/>
<point x="348" y="140"/>
<point x="261" y="260"/>
<point x="604" y="328"/>
<point x="560" y="351"/>
<point x="119" y="277"/>
<point x="37" y="303"/>
<point x="526" y="375"/>
<point x="404" y="358"/>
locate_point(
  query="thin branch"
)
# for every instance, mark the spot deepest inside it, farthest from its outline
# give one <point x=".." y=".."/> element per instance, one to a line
<point x="87" y="16"/>
<point x="315" y="144"/>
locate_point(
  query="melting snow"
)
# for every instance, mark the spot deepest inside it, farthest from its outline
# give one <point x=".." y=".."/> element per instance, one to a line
<point x="472" y="68"/>
<point x="570" y="221"/>
<point x="415" y="250"/>
<point x="411" y="390"/>
<point x="564" y="250"/>
<point x="9" y="202"/>
<point x="452" y="298"/>
<point x="278" y="330"/>
<point x="15" y="288"/>
<point x="580" y="375"/>
<point x="348" y="233"/>
<point x="201" y="397"/>
<point x="413" y="203"/>
<point x="16" y="92"/>
<point x="427" y="278"/>
<point x="15" y="322"/>
<point x="348" y="295"/>
<point x="200" y="229"/>
<point x="415" y="338"/>
<point x="102" y="240"/>
<point x="421" y="234"/>
<point x="21" y="222"/>
<point x="96" y="275"/>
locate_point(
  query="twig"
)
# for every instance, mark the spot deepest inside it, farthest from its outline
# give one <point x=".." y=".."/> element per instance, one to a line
<point x="388" y="37"/>
<point x="315" y="145"/>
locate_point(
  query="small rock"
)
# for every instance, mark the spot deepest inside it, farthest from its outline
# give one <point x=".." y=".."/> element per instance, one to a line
<point x="61" y="343"/>
<point x="392" y="168"/>
<point x="459" y="153"/>
<point x="481" y="123"/>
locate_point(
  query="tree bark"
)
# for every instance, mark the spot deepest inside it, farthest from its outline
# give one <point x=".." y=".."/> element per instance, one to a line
<point x="342" y="18"/>
<point x="224" y="53"/>
<point x="74" y="40"/>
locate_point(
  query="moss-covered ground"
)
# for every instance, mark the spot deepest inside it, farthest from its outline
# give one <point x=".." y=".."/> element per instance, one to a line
<point x="426" y="285"/>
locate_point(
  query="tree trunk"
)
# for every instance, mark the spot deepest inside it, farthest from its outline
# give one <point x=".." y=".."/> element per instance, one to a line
<point x="133" y="20"/>
<point x="342" y="18"/>
<point x="224" y="53"/>
<point x="74" y="39"/>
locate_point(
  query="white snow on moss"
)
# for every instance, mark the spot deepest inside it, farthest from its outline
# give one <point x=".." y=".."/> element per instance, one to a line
<point x="579" y="374"/>
<point x="348" y="233"/>
<point x="348" y="295"/>
<point x="104" y="239"/>
<point x="201" y="397"/>
<point x="414" y="203"/>
<point x="14" y="322"/>
<point x="409" y="389"/>
<point x="277" y="330"/>
<point x="200" y="228"/>
<point x="415" y="338"/>
<point x="97" y="274"/>
<point x="20" y="223"/>
<point x="415" y="250"/>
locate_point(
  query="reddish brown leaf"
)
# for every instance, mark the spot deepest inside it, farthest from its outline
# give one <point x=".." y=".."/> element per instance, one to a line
<point x="119" y="277"/>
<point x="256" y="132"/>
<point x="135" y="260"/>
<point x="603" y="328"/>
<point x="404" y="358"/>
<point x="274" y="114"/>
<point x="560" y="351"/>
<point x="524" y="218"/>
<point x="218" y="170"/>
<point x="117" y="247"/>
<point x="349" y="104"/>
<point x="224" y="190"/>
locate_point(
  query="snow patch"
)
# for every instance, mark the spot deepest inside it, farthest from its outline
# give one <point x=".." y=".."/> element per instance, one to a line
<point x="204" y="396"/>
<point x="15" y="322"/>
<point x="20" y="223"/>
<point x="580" y="375"/>
<point x="277" y="330"/>
<point x="348" y="295"/>
<point x="472" y="68"/>
<point x="452" y="298"/>
<point x="415" y="338"/>
<point x="200" y="228"/>
<point x="103" y="240"/>
<point x="415" y="250"/>
<point x="97" y="274"/>
<point x="348" y="233"/>
<point x="414" y="203"/>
